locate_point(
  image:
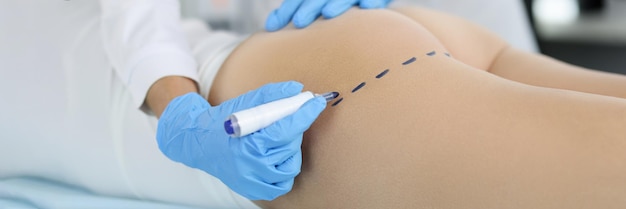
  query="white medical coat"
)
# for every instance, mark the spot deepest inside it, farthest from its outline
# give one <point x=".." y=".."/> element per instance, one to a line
<point x="144" y="42"/>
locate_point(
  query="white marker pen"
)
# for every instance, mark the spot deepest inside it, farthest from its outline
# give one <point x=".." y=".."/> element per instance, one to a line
<point x="250" y="120"/>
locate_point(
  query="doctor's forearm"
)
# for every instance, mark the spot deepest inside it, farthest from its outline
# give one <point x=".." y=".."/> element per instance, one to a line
<point x="166" y="89"/>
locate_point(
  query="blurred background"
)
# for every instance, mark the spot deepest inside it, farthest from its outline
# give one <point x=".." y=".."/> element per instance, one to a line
<point x="588" y="33"/>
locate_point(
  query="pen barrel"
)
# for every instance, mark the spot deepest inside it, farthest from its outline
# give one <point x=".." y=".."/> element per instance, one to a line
<point x="262" y="116"/>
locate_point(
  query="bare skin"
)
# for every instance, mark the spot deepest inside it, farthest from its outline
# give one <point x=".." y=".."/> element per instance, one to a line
<point x="439" y="132"/>
<point x="481" y="49"/>
<point x="165" y="90"/>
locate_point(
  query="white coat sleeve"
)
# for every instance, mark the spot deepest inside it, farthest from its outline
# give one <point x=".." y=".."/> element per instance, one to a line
<point x="144" y="41"/>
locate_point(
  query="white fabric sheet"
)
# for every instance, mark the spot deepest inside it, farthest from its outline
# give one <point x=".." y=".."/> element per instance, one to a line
<point x="68" y="117"/>
<point x="30" y="193"/>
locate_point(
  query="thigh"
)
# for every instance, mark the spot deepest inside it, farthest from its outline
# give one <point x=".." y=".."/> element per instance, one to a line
<point x="431" y="131"/>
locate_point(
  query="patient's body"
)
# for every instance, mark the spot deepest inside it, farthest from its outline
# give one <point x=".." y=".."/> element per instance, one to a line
<point x="439" y="131"/>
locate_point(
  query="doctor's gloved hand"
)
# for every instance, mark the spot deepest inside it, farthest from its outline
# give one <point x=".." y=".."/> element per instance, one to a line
<point x="259" y="166"/>
<point x="304" y="12"/>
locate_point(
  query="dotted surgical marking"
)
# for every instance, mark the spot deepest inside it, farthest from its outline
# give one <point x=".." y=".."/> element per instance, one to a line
<point x="382" y="74"/>
<point x="409" y="61"/>
<point x="385" y="72"/>
<point x="358" y="87"/>
<point x="338" y="101"/>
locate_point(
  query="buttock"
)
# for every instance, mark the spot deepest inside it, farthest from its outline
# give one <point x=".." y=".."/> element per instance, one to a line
<point x="326" y="55"/>
<point x="388" y="69"/>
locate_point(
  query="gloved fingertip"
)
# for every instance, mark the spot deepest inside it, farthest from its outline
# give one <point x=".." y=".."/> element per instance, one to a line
<point x="269" y="191"/>
<point x="283" y="188"/>
<point x="302" y="21"/>
<point x="283" y="87"/>
<point x="291" y="166"/>
<point x="292" y="126"/>
<point x="292" y="87"/>
<point x="273" y="23"/>
<point x="372" y="4"/>
<point x="294" y="84"/>
<point x="331" y="12"/>
<point x="311" y="109"/>
<point x="319" y="103"/>
<point x="367" y="6"/>
<point x="336" y="8"/>
<point x="300" y="24"/>
<point x="274" y="91"/>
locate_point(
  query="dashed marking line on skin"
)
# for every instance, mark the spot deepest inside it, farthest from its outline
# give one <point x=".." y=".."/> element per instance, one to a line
<point x="382" y="74"/>
<point x="358" y="87"/>
<point x="385" y="72"/>
<point x="409" y="61"/>
<point x="447" y="54"/>
<point x="338" y="101"/>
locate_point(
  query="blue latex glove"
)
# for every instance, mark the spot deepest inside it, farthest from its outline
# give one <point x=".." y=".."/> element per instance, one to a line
<point x="304" y="12"/>
<point x="259" y="166"/>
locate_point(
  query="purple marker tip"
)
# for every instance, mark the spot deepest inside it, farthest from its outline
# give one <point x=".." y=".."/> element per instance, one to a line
<point x="228" y="126"/>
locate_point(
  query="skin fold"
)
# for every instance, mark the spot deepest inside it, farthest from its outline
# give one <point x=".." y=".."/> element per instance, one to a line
<point x="488" y="127"/>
